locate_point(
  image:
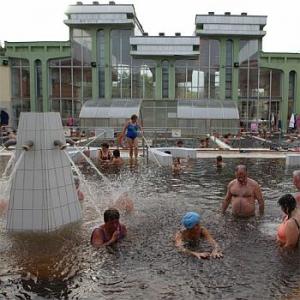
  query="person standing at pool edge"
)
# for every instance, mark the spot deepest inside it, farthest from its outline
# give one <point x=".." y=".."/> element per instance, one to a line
<point x="242" y="193"/>
<point x="130" y="130"/>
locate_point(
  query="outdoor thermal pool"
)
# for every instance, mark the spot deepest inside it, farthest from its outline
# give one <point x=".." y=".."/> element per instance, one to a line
<point x="146" y="264"/>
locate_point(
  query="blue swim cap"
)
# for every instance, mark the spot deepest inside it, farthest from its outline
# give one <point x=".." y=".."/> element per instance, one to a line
<point x="190" y="219"/>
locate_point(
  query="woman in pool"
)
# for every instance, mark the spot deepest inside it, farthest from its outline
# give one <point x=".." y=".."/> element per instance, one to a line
<point x="130" y="130"/>
<point x="192" y="233"/>
<point x="104" y="153"/>
<point x="111" y="231"/>
<point x="289" y="230"/>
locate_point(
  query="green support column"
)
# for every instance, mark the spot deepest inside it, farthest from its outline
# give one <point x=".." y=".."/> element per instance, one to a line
<point x="172" y="79"/>
<point x="95" y="74"/>
<point x="32" y="85"/>
<point x="222" y="68"/>
<point x="45" y="80"/>
<point x="284" y="103"/>
<point x="235" y="71"/>
<point x="158" y="75"/>
<point x="108" y="81"/>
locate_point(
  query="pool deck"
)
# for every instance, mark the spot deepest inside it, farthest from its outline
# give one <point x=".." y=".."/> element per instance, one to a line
<point x="213" y="152"/>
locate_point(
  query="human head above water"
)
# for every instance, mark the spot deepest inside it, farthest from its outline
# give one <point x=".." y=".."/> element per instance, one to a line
<point x="116" y="153"/>
<point x="111" y="214"/>
<point x="219" y="158"/>
<point x="105" y="145"/>
<point x="179" y="143"/>
<point x="190" y="219"/>
<point x="287" y="203"/>
<point x="134" y="118"/>
<point x="241" y="174"/>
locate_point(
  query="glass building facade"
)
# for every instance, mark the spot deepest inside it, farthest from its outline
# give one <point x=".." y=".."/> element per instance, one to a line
<point x="100" y="64"/>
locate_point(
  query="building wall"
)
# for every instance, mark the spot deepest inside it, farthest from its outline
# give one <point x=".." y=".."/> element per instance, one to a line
<point x="5" y="88"/>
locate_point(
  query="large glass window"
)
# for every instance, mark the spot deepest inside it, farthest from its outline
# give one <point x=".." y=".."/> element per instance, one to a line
<point x="248" y="80"/>
<point x="121" y="63"/>
<point x="101" y="63"/>
<point x="20" y="79"/>
<point x="228" y="69"/>
<point x="165" y="79"/>
<point x="39" y="85"/>
<point x="143" y="79"/>
<point x="69" y="85"/>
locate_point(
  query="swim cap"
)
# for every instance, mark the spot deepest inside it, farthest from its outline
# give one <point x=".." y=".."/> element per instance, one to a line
<point x="190" y="219"/>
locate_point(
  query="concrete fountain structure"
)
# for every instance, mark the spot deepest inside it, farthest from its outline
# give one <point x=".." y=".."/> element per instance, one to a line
<point x="42" y="196"/>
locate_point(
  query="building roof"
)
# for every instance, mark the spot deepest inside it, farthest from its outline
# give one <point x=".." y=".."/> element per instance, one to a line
<point x="164" y="45"/>
<point x="228" y="24"/>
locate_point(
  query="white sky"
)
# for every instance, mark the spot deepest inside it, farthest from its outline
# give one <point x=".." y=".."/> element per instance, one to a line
<point x="42" y="20"/>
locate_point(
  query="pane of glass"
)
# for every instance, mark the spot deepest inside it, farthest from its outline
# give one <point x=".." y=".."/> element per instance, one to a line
<point x="25" y="89"/>
<point x="66" y="83"/>
<point x="54" y="82"/>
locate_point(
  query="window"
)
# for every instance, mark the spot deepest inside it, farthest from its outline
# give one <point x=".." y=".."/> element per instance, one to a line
<point x="165" y="79"/>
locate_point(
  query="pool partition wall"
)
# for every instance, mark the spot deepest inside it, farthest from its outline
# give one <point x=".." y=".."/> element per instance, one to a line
<point x="43" y="196"/>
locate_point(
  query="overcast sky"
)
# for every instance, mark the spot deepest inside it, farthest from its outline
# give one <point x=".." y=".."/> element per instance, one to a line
<point x="42" y="20"/>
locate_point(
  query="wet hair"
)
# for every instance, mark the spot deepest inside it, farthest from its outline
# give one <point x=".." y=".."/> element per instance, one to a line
<point x="219" y="158"/>
<point x="111" y="214"/>
<point x="105" y="145"/>
<point x="287" y="203"/>
<point x="167" y="152"/>
<point x="134" y="117"/>
<point x="180" y="142"/>
<point x="241" y="167"/>
<point x="116" y="153"/>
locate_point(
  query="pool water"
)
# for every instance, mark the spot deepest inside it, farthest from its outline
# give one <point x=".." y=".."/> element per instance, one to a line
<point x="146" y="264"/>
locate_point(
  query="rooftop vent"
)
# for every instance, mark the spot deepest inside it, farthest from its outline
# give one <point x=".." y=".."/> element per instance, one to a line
<point x="243" y="14"/>
<point x="79" y="3"/>
<point x="112" y="3"/>
<point x="161" y="34"/>
<point x="145" y="33"/>
<point x="227" y="13"/>
<point x="177" y="34"/>
<point x="95" y="3"/>
<point x="211" y="13"/>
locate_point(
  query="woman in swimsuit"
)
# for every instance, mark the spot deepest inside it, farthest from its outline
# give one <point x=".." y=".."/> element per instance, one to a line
<point x="104" y="153"/>
<point x="130" y="130"/>
<point x="111" y="231"/>
<point x="289" y="230"/>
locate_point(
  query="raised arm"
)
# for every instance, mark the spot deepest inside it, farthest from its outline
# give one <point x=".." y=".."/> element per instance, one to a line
<point x="216" y="252"/>
<point x="227" y="199"/>
<point x="179" y="243"/>
<point x="97" y="239"/>
<point x="260" y="200"/>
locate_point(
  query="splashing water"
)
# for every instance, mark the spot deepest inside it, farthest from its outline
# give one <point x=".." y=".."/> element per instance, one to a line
<point x="82" y="179"/>
<point x="9" y="164"/>
<point x="105" y="179"/>
<point x="6" y="184"/>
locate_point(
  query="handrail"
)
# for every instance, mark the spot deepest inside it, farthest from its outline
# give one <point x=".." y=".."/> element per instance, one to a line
<point x="152" y="153"/>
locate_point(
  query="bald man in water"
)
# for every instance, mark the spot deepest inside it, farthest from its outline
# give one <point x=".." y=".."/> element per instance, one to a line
<point x="242" y="193"/>
<point x="296" y="182"/>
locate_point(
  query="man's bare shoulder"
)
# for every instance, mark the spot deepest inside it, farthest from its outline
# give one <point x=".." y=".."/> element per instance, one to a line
<point x="252" y="182"/>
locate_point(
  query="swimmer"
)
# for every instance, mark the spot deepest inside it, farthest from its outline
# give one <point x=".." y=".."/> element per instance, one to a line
<point x="296" y="182"/>
<point x="124" y="203"/>
<point x="179" y="144"/>
<point x="111" y="231"/>
<point x="219" y="162"/>
<point x="80" y="194"/>
<point x="289" y="230"/>
<point x="192" y="232"/>
<point x="116" y="159"/>
<point x="242" y="193"/>
<point x="104" y="153"/>
<point x="176" y="166"/>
